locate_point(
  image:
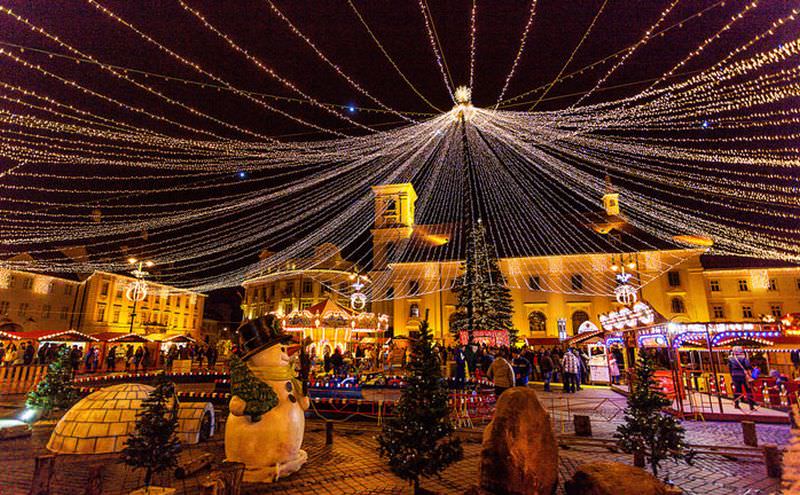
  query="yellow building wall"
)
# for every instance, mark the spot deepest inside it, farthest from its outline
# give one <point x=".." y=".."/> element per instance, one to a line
<point x="36" y="301"/>
<point x="107" y="309"/>
<point x="555" y="274"/>
<point x="767" y="290"/>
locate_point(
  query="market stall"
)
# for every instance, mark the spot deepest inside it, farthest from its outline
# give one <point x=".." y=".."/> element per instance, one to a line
<point x="123" y="341"/>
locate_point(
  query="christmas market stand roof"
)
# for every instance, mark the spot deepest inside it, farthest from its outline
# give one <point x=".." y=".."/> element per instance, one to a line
<point x="50" y="336"/>
<point x="330" y="314"/>
<point x="178" y="339"/>
<point x="122" y="337"/>
<point x="584" y="337"/>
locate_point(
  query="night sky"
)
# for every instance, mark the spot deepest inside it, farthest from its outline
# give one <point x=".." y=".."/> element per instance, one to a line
<point x="337" y="32"/>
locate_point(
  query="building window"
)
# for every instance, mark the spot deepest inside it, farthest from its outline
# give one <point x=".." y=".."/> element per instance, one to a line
<point x="578" y="317"/>
<point x="27" y="283"/>
<point x="186" y="302"/>
<point x="307" y="287"/>
<point x="773" y="285"/>
<point x="287" y="308"/>
<point x="413" y="310"/>
<point x="747" y="311"/>
<point x="743" y="287"/>
<point x="101" y="312"/>
<point x="719" y="311"/>
<point x="391" y="208"/>
<point x="289" y="287"/>
<point x="23" y="308"/>
<point x="577" y="282"/>
<point x="46" y="311"/>
<point x="413" y="287"/>
<point x="104" y="288"/>
<point x="537" y="322"/>
<point x="4" y="307"/>
<point x="118" y="293"/>
<point x="305" y="304"/>
<point x="272" y="290"/>
<point x="64" y="312"/>
<point x="12" y="279"/>
<point x="776" y="310"/>
<point x="390" y="249"/>
<point x="534" y="282"/>
<point x="390" y="293"/>
<point x="67" y="290"/>
<point x="674" y="279"/>
<point x="115" y="317"/>
<point x="798" y="283"/>
<point x="714" y="286"/>
<point x="677" y="305"/>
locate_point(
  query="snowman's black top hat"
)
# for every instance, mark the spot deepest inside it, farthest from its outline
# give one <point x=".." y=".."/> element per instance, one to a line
<point x="259" y="334"/>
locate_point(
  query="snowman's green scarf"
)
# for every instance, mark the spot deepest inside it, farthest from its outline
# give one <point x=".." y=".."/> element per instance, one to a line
<point x="278" y="374"/>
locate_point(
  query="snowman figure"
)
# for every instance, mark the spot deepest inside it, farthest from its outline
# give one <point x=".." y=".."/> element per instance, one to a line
<point x="267" y="408"/>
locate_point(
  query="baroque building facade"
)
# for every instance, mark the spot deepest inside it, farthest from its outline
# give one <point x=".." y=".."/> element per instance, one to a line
<point x="95" y="304"/>
<point x="552" y="295"/>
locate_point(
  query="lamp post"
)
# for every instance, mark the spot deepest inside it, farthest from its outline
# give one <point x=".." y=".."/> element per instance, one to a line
<point x="138" y="289"/>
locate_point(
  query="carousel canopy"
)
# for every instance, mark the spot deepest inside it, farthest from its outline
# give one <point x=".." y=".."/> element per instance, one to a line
<point x="330" y="314"/>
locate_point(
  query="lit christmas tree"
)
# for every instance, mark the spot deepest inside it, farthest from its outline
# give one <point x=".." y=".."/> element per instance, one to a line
<point x="56" y="390"/>
<point x="482" y="284"/>
<point x="153" y="445"/>
<point x="418" y="440"/>
<point x="647" y="430"/>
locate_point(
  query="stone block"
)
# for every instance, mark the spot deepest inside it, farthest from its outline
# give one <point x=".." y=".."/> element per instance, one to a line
<point x="613" y="478"/>
<point x="519" y="455"/>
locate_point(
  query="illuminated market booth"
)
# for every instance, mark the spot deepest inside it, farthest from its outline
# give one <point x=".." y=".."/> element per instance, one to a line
<point x="50" y="337"/>
<point x="331" y="326"/>
<point x="694" y="356"/>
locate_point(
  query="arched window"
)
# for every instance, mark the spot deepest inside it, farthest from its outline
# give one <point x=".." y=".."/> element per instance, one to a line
<point x="413" y="310"/>
<point x="578" y="317"/>
<point x="677" y="305"/>
<point x="537" y="322"/>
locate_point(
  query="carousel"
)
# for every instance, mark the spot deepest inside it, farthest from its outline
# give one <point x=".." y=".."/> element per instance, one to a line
<point x="331" y="326"/>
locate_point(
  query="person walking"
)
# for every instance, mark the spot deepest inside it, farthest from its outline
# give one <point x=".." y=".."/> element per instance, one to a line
<point x="28" y="355"/>
<point x="613" y="369"/>
<point x="461" y="367"/>
<point x="570" y="366"/>
<point x="546" y="365"/>
<point x="111" y="359"/>
<point x="502" y="374"/>
<point x="741" y="379"/>
<point x="137" y="358"/>
<point x="211" y="356"/>
<point x="522" y="370"/>
<point x="128" y="357"/>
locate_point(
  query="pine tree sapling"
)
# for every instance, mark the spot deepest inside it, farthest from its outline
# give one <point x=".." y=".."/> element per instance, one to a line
<point x="418" y="440"/>
<point x="153" y="445"/>
<point x="56" y="390"/>
<point x="647" y="430"/>
<point x="482" y="284"/>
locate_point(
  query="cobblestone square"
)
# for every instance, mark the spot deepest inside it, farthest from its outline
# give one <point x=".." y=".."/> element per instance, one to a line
<point x="351" y="465"/>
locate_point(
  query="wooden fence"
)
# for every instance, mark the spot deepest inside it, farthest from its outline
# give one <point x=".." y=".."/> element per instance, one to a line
<point x="20" y="379"/>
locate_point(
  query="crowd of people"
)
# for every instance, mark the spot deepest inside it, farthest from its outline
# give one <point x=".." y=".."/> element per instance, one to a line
<point x="508" y="367"/>
<point x="118" y="357"/>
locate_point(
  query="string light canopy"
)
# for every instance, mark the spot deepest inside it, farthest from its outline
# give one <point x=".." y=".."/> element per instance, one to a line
<point x="110" y="152"/>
